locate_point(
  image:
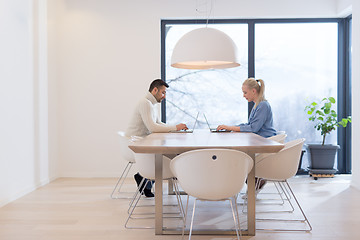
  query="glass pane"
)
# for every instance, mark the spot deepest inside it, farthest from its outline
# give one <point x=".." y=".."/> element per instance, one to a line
<point x="298" y="62"/>
<point x="215" y="92"/>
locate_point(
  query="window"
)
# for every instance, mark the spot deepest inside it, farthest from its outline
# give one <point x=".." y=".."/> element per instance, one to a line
<point x="297" y="58"/>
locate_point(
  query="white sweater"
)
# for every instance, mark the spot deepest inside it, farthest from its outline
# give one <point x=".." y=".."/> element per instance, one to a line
<point x="146" y="120"/>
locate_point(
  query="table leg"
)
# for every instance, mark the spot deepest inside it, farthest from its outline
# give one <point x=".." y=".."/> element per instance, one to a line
<point x="251" y="200"/>
<point x="158" y="194"/>
<point x="170" y="181"/>
<point x="170" y="187"/>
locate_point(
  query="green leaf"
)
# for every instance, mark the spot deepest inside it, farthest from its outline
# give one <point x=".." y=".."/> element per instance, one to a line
<point x="332" y="100"/>
<point x="326" y="111"/>
<point x="320" y="113"/>
<point x="344" y="121"/>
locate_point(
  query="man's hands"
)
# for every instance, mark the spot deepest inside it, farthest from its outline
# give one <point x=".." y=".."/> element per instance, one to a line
<point x="181" y="126"/>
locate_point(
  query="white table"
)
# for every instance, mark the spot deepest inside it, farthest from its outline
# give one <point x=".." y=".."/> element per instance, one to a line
<point x="175" y="143"/>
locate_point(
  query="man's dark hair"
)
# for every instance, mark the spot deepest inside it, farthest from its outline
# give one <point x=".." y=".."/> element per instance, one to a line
<point x="157" y="83"/>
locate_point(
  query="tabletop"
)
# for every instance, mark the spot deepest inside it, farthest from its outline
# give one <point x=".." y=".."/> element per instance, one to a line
<point x="170" y="143"/>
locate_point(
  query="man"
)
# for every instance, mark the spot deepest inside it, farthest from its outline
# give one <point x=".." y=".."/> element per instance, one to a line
<point x="146" y="120"/>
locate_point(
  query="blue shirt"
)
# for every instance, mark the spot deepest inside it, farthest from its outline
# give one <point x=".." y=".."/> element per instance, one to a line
<point x="260" y="121"/>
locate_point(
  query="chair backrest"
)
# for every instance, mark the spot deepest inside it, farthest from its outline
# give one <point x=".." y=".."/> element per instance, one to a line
<point x="281" y="165"/>
<point x="280" y="138"/>
<point x="126" y="152"/>
<point x="145" y="165"/>
<point x="212" y="174"/>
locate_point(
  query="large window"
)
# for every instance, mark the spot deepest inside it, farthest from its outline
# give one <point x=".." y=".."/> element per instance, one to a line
<point x="297" y="59"/>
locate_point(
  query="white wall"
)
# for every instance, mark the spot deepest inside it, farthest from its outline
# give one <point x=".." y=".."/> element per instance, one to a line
<point x="107" y="52"/>
<point x="23" y="98"/>
<point x="52" y="13"/>
<point x="344" y="7"/>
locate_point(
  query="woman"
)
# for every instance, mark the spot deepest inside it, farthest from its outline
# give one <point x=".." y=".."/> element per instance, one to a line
<point x="261" y="117"/>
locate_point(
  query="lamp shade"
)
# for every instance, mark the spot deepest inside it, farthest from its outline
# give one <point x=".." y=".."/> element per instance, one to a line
<point x="204" y="48"/>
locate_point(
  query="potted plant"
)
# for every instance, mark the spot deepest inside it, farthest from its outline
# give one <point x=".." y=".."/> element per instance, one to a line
<point x="322" y="156"/>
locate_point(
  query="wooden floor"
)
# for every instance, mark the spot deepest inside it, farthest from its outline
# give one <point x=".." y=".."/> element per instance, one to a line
<point x="81" y="209"/>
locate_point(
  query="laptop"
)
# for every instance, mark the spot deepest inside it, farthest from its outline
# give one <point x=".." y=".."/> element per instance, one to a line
<point x="188" y="130"/>
<point x="213" y="129"/>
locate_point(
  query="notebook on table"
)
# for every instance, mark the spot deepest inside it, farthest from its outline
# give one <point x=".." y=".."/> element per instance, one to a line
<point x="190" y="130"/>
<point x="214" y="129"/>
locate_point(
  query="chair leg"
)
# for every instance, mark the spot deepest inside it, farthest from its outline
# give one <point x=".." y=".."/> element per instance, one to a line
<point x="185" y="217"/>
<point x="278" y="192"/>
<point x="282" y="191"/>
<point x="236" y="219"/>
<point x="192" y="219"/>
<point x="288" y="196"/>
<point x="133" y="206"/>
<point x="237" y="211"/>
<point x="284" y="196"/>
<point x="134" y="203"/>
<point x="297" y="202"/>
<point x="136" y="199"/>
<point x="136" y="194"/>
<point x="306" y="220"/>
<point x="178" y="198"/>
<point x="120" y="181"/>
<point x="286" y="190"/>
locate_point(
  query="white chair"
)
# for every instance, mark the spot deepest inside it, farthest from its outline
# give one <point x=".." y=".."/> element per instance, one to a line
<point x="212" y="175"/>
<point x="145" y="164"/>
<point x="280" y="132"/>
<point x="128" y="156"/>
<point x="279" y="167"/>
<point x="280" y="138"/>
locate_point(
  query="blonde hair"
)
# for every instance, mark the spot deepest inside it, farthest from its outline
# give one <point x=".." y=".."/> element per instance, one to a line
<point x="259" y="86"/>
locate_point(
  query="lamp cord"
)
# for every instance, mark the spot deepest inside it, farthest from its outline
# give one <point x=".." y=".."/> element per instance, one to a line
<point x="207" y="15"/>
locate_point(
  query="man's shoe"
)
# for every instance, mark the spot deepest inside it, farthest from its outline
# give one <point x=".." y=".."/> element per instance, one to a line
<point x="148" y="193"/>
<point x="138" y="178"/>
<point x="262" y="183"/>
<point x="150" y="184"/>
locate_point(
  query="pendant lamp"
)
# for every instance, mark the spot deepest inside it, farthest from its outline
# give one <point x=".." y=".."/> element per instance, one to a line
<point x="205" y="48"/>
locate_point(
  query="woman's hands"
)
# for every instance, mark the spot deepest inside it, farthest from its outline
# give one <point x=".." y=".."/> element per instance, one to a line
<point x="228" y="128"/>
